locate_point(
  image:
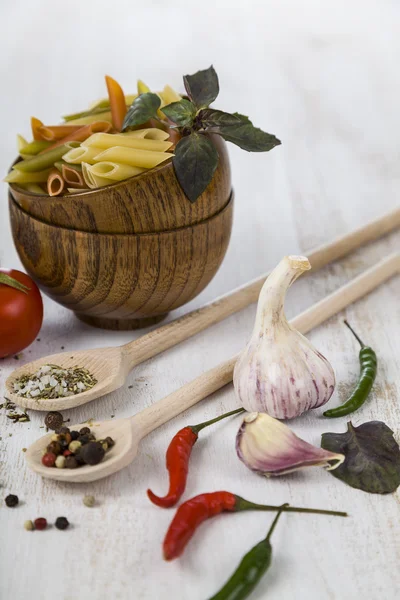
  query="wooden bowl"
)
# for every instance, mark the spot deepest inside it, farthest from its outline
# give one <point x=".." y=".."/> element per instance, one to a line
<point x="151" y="202"/>
<point x="121" y="281"/>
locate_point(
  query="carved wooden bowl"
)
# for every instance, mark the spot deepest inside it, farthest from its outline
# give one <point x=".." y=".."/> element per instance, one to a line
<point x="121" y="281"/>
<point x="150" y="202"/>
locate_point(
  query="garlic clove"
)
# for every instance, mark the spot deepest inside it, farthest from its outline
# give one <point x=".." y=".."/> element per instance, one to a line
<point x="280" y="372"/>
<point x="270" y="447"/>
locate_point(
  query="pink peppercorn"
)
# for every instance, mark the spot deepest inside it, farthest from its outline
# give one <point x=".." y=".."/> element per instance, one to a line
<point x="67" y="453"/>
<point x="49" y="459"/>
<point x="40" y="523"/>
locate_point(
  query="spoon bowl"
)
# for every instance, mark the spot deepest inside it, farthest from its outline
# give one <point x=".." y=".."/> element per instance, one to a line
<point x="124" y="432"/>
<point x="107" y="365"/>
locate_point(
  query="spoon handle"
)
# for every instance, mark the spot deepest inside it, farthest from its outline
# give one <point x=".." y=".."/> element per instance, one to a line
<point x="171" y="406"/>
<point x="173" y="333"/>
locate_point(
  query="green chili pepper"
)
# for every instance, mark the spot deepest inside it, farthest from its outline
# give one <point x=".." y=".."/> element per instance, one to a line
<point x="252" y="567"/>
<point x="368" y="369"/>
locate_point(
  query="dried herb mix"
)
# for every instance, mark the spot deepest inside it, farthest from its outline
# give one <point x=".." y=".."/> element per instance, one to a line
<point x="52" y="381"/>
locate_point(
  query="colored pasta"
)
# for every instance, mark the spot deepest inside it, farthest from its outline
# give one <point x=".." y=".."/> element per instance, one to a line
<point x="146" y="159"/>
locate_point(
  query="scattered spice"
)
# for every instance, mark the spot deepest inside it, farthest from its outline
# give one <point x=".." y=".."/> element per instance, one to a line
<point x="52" y="381"/>
<point x="40" y="523"/>
<point x="89" y="501"/>
<point x="29" y="526"/>
<point x="12" y="414"/>
<point x="24" y="449"/>
<point x="11" y="500"/>
<point x="54" y="420"/>
<point x="62" y="523"/>
<point x="72" y="449"/>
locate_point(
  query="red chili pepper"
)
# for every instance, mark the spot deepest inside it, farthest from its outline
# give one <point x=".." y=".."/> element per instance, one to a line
<point x="178" y="455"/>
<point x="193" y="512"/>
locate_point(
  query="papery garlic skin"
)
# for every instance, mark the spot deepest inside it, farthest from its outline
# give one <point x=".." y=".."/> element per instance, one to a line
<point x="270" y="447"/>
<point x="280" y="372"/>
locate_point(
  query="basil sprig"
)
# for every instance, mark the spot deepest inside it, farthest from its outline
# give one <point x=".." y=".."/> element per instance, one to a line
<point x="196" y="157"/>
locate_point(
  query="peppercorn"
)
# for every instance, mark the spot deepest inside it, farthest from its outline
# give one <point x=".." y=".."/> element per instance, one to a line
<point x="11" y="500"/>
<point x="63" y="430"/>
<point x="28" y="525"/>
<point x="89" y="501"/>
<point x="67" y="453"/>
<point x="40" y="523"/>
<point x="104" y="446"/>
<point x="74" y="435"/>
<point x="84" y="439"/>
<point x="64" y="440"/>
<point x="62" y="523"/>
<point x="60" y="462"/>
<point x="54" y="420"/>
<point x="49" y="459"/>
<point x="110" y="442"/>
<point x="92" y="453"/>
<point x="84" y="430"/>
<point x="71" y="462"/>
<point x="54" y="448"/>
<point x="74" y="446"/>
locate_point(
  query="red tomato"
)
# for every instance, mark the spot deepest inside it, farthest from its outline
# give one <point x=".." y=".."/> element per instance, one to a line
<point x="21" y="314"/>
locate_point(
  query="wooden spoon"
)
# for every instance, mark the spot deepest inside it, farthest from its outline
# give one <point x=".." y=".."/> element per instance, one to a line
<point x="111" y="366"/>
<point x="127" y="433"/>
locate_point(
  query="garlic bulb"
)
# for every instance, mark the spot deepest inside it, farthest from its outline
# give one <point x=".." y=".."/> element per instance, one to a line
<point x="280" y="372"/>
<point x="268" y="446"/>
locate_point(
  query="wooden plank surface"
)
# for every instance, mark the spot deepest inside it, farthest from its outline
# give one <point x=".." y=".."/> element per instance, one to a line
<point x="325" y="80"/>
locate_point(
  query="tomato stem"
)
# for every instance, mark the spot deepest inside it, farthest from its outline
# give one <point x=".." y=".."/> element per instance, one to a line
<point x="11" y="282"/>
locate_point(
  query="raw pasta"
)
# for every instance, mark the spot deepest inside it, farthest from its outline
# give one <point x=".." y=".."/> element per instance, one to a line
<point x="21" y="177"/>
<point x="83" y="154"/>
<point x="109" y="140"/>
<point x="130" y="156"/>
<point x="114" y="171"/>
<point x="151" y="133"/>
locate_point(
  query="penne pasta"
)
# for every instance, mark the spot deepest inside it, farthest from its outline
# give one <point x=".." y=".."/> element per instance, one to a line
<point x="142" y="88"/>
<point x="73" y="176"/>
<point x="82" y="154"/>
<point x="115" y="171"/>
<point x="109" y="140"/>
<point x="151" y="133"/>
<point x="36" y="125"/>
<point x="117" y="102"/>
<point x="146" y="159"/>
<point x="91" y="118"/>
<point x="42" y="161"/>
<point x="91" y="180"/>
<point x="55" y="183"/>
<point x="52" y="133"/>
<point x="169" y="95"/>
<point x="82" y="133"/>
<point x="35" y="147"/>
<point x="22" y="177"/>
<point x="21" y="143"/>
<point x="34" y="188"/>
<point x="75" y="190"/>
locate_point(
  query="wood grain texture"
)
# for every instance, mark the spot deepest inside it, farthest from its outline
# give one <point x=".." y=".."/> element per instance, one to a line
<point x="324" y="78"/>
<point x="114" y="281"/>
<point x="151" y="202"/>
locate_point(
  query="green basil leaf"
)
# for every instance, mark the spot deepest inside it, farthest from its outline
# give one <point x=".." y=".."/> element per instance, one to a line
<point x="372" y="462"/>
<point x="195" y="161"/>
<point x="143" y="108"/>
<point x="211" y="118"/>
<point x="202" y="87"/>
<point x="181" y="113"/>
<point x="246" y="136"/>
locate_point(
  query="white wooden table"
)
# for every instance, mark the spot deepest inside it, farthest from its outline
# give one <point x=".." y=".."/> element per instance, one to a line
<point x="325" y="79"/>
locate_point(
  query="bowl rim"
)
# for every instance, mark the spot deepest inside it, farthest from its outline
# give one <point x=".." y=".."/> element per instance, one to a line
<point x="78" y="232"/>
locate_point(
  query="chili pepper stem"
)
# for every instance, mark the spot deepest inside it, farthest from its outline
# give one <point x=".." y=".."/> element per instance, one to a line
<point x="354" y="333"/>
<point x="242" y="504"/>
<point x="275" y="521"/>
<point x="200" y="426"/>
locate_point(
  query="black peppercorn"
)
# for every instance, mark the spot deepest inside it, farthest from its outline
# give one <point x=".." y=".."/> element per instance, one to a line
<point x="71" y="462"/>
<point x="62" y="523"/>
<point x="63" y="430"/>
<point x="110" y="442"/>
<point x="85" y="439"/>
<point x="11" y="500"/>
<point x="54" y="448"/>
<point x="84" y="430"/>
<point x="92" y="453"/>
<point x="54" y="420"/>
<point x="74" y="435"/>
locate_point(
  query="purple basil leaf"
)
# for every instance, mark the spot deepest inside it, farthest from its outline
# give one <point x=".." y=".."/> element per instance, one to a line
<point x="143" y="108"/>
<point x="195" y="161"/>
<point x="372" y="462"/>
<point x="213" y="119"/>
<point x="181" y="113"/>
<point x="202" y="87"/>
